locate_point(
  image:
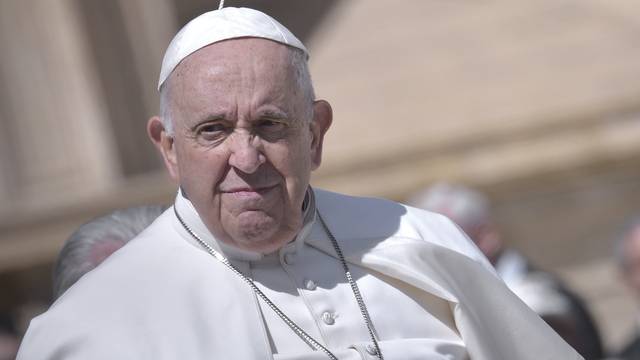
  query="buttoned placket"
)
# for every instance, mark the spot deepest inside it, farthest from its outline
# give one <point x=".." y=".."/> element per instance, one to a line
<point x="328" y="310"/>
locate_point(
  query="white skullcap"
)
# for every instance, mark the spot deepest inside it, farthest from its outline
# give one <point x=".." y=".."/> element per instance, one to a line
<point x="223" y="24"/>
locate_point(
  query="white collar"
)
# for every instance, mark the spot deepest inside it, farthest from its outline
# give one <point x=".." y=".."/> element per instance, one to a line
<point x="191" y="217"/>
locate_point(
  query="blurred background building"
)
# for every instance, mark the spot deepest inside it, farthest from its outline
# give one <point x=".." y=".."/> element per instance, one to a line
<point x="537" y="103"/>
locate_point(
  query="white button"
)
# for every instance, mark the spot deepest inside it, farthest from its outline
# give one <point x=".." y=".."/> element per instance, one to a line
<point x="328" y="318"/>
<point x="289" y="258"/>
<point x="310" y="284"/>
<point x="371" y="349"/>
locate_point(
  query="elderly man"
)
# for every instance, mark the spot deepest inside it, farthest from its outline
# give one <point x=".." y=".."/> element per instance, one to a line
<point x="251" y="263"/>
<point x="96" y="240"/>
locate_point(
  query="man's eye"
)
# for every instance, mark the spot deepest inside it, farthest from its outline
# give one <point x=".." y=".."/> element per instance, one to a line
<point x="212" y="129"/>
<point x="211" y="132"/>
<point x="272" y="125"/>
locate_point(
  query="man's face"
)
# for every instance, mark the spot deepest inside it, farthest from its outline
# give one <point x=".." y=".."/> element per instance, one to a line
<point x="244" y="142"/>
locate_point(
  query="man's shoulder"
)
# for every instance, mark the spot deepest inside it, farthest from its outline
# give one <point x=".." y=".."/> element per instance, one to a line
<point x="156" y="284"/>
<point x="154" y="258"/>
<point x="147" y="252"/>
<point x="356" y="217"/>
<point x="152" y="261"/>
<point x="373" y="208"/>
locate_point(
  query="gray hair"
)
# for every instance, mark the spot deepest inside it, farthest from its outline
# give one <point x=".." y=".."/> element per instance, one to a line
<point x="298" y="60"/>
<point x="465" y="206"/>
<point x="118" y="227"/>
<point x="622" y="239"/>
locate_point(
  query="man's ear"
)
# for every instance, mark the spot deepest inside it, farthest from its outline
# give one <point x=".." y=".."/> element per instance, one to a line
<point x="322" y="118"/>
<point x="165" y="144"/>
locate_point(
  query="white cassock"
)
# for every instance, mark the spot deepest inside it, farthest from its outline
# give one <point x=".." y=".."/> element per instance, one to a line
<point x="430" y="293"/>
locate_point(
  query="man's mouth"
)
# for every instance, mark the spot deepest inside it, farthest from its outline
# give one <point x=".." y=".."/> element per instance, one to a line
<point x="248" y="190"/>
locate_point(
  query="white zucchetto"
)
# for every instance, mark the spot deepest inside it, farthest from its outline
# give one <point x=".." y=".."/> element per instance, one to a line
<point x="223" y="24"/>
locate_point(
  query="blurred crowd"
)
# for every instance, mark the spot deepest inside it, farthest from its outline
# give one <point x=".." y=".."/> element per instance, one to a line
<point x="556" y="303"/>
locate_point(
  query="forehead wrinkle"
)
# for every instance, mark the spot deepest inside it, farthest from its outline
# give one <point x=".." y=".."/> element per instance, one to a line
<point x="278" y="98"/>
<point x="240" y="81"/>
<point x="284" y="94"/>
<point x="199" y="73"/>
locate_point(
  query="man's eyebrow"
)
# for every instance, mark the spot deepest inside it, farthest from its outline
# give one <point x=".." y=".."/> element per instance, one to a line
<point x="272" y="113"/>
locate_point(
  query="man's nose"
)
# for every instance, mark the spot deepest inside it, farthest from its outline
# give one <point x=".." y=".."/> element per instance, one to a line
<point x="246" y="155"/>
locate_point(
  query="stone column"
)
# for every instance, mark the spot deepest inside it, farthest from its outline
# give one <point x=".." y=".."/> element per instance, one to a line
<point x="56" y="142"/>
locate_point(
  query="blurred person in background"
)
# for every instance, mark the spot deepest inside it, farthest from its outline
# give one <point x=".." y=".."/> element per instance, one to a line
<point x="8" y="338"/>
<point x="96" y="240"/>
<point x="627" y="253"/>
<point x="564" y="311"/>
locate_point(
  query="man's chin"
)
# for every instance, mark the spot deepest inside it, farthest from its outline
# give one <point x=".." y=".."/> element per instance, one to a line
<point x="257" y="232"/>
<point x="255" y="222"/>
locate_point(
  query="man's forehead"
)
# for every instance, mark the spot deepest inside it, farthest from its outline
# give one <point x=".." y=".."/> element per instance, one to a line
<point x="212" y="81"/>
<point x="229" y="58"/>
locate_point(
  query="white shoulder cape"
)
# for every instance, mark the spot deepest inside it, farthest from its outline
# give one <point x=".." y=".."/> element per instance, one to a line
<point x="161" y="298"/>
